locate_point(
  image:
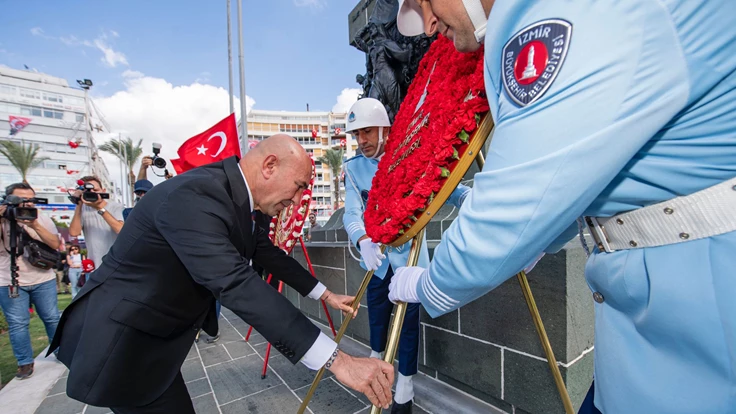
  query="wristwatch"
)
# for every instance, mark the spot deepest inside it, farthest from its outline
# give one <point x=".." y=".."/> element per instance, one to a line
<point x="101" y="211"/>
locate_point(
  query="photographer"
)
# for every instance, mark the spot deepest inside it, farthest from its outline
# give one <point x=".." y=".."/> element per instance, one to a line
<point x="101" y="220"/>
<point x="140" y="188"/>
<point x="37" y="286"/>
<point x="153" y="161"/>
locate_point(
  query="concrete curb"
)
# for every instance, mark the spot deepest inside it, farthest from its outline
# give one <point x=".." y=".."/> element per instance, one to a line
<point x="24" y="397"/>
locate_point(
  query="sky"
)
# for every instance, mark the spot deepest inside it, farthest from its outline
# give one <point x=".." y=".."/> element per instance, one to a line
<point x="159" y="67"/>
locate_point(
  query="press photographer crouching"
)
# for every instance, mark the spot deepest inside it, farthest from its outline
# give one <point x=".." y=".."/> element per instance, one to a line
<point x="27" y="261"/>
<point x="97" y="216"/>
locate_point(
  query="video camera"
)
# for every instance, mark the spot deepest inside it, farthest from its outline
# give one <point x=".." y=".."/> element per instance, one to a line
<point x="88" y="193"/>
<point x="16" y="210"/>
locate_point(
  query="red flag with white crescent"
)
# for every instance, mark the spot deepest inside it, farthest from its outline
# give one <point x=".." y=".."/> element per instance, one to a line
<point x="214" y="144"/>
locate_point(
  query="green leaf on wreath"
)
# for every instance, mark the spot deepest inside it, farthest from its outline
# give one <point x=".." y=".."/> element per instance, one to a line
<point x="401" y="232"/>
<point x="445" y="172"/>
<point x="413" y="218"/>
<point x="455" y="154"/>
<point x="463" y="136"/>
<point x="431" y="197"/>
<point x="477" y="119"/>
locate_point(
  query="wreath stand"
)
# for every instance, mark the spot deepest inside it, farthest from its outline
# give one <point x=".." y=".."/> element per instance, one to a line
<point x="280" y="289"/>
<point x="416" y="235"/>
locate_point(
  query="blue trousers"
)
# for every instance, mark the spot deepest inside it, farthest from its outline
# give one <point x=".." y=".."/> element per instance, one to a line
<point x="379" y="317"/>
<point x="43" y="297"/>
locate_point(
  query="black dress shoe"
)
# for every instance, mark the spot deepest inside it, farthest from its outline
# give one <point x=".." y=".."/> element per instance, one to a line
<point x="212" y="339"/>
<point x="404" y="408"/>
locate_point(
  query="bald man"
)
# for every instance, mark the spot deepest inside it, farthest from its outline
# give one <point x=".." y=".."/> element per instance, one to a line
<point x="188" y="242"/>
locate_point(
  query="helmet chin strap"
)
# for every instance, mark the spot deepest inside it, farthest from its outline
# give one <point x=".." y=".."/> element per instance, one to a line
<point x="379" y="147"/>
<point x="477" y="17"/>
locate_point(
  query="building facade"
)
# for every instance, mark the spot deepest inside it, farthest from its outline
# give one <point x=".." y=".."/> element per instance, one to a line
<point x="59" y="114"/>
<point x="316" y="132"/>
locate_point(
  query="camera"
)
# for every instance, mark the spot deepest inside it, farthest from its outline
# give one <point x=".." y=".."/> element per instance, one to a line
<point x="158" y="162"/>
<point x="16" y="211"/>
<point x="88" y="193"/>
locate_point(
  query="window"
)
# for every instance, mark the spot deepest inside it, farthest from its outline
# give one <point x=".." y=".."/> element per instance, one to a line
<point x="73" y="100"/>
<point x="30" y="93"/>
<point x="9" y="108"/>
<point x="79" y="117"/>
<point x="30" y="110"/>
<point x="7" y="89"/>
<point x="319" y="176"/>
<point x="52" y="97"/>
<point x="50" y="113"/>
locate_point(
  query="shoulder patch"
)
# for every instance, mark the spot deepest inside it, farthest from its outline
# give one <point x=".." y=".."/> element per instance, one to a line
<point x="533" y="58"/>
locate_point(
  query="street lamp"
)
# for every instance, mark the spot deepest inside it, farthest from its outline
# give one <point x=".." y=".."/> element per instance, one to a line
<point x="85" y="84"/>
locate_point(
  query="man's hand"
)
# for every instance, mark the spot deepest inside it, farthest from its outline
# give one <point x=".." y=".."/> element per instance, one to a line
<point x="100" y="203"/>
<point x="403" y="287"/>
<point x="370" y="376"/>
<point x="371" y="253"/>
<point x="342" y="303"/>
<point x="3" y="208"/>
<point x="146" y="162"/>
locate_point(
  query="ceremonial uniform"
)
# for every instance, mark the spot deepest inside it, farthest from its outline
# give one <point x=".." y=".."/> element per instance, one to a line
<point x="359" y="172"/>
<point x="603" y="107"/>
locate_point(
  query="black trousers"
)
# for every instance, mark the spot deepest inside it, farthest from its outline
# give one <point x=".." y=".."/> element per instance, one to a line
<point x="175" y="399"/>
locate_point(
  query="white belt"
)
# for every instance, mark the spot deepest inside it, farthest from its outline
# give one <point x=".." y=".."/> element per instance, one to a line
<point x="707" y="213"/>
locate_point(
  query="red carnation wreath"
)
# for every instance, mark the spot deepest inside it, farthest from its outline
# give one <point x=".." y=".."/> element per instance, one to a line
<point x="286" y="228"/>
<point x="443" y="107"/>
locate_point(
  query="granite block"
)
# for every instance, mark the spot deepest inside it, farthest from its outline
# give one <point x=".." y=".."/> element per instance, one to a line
<point x="238" y="378"/>
<point x="278" y="399"/>
<point x="331" y="398"/>
<point x="192" y="370"/>
<point x="447" y="321"/>
<point x="448" y="353"/>
<point x="239" y="349"/>
<point x="205" y="404"/>
<point x="198" y="387"/>
<point x="295" y="375"/>
<point x="502" y="316"/>
<point x="529" y="385"/>
<point x="214" y="355"/>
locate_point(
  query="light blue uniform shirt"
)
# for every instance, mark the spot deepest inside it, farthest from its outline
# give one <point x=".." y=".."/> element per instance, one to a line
<point x="359" y="172"/>
<point x="643" y="109"/>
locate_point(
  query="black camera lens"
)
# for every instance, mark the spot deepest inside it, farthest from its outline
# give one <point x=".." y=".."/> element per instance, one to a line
<point x="159" y="162"/>
<point x="90" y="196"/>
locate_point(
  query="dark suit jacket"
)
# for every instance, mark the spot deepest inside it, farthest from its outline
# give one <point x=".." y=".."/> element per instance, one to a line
<point x="187" y="242"/>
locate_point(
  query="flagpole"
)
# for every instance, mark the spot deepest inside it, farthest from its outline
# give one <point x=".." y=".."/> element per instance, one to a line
<point x="122" y="174"/>
<point x="230" y="59"/>
<point x="243" y="117"/>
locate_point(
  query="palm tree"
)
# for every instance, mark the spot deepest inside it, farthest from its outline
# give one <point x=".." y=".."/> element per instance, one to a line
<point x="127" y="152"/>
<point x="23" y="157"/>
<point x="333" y="159"/>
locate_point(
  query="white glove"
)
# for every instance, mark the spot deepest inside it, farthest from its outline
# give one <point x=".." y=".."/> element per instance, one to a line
<point x="533" y="263"/>
<point x="403" y="287"/>
<point x="371" y="254"/>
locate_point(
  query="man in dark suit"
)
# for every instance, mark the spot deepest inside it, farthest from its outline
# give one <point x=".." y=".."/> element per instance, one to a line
<point x="189" y="241"/>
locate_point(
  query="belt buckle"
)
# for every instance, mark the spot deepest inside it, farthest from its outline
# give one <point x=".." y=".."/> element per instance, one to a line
<point x="598" y="232"/>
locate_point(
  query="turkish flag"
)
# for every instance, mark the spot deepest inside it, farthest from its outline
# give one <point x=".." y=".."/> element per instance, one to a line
<point x="212" y="145"/>
<point x="17" y="123"/>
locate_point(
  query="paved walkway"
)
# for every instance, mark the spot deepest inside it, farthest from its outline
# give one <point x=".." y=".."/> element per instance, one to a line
<point x="225" y="378"/>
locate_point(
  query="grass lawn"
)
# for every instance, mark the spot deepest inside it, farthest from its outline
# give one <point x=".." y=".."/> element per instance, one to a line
<point x="39" y="341"/>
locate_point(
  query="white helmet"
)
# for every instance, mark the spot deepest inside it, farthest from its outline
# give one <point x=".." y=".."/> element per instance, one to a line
<point x="366" y="113"/>
<point x="410" y="21"/>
